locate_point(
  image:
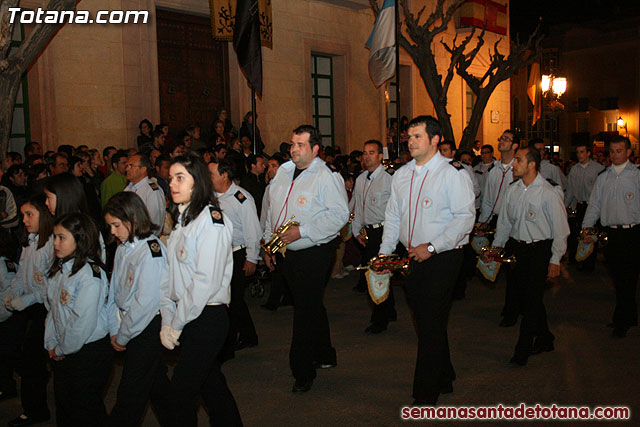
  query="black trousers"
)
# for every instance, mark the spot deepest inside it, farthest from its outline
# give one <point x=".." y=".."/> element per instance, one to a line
<point x="33" y="362"/>
<point x="197" y="372"/>
<point x="512" y="301"/>
<point x="307" y="272"/>
<point x="240" y="322"/>
<point x="144" y="377"/>
<point x="279" y="291"/>
<point x="575" y="223"/>
<point x="466" y="272"/>
<point x="10" y="338"/>
<point x="380" y="313"/>
<point x="79" y="381"/>
<point x="429" y="289"/>
<point x="623" y="256"/>
<point x="531" y="268"/>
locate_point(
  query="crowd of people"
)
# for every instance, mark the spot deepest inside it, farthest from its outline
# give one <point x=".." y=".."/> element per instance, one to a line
<point x="142" y="249"/>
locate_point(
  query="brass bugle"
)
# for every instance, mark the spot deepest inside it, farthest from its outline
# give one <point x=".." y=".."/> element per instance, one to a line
<point x="392" y="262"/>
<point x="600" y="236"/>
<point x="275" y="243"/>
<point x="497" y="254"/>
<point x="484" y="228"/>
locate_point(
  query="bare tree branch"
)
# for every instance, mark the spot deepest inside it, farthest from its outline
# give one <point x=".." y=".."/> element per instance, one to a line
<point x="6" y="28"/>
<point x="456" y="51"/>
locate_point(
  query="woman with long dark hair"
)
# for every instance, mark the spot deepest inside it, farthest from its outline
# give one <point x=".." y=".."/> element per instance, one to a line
<point x="195" y="293"/>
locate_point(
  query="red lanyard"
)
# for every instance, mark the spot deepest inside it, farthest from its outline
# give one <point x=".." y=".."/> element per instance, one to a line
<point x="364" y="195"/>
<point x="286" y="205"/>
<point x="498" y="196"/>
<point x="413" y="226"/>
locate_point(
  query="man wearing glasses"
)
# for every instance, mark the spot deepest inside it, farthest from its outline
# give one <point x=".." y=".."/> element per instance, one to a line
<point x="137" y="170"/>
<point x="495" y="186"/>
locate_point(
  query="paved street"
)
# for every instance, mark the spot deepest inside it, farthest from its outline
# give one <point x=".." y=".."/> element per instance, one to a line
<point x="374" y="374"/>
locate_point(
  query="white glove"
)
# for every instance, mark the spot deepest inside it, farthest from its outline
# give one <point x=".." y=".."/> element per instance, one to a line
<point x="169" y="337"/>
<point x="17" y="304"/>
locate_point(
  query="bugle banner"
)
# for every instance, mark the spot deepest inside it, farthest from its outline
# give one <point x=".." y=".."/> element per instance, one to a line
<point x="223" y="14"/>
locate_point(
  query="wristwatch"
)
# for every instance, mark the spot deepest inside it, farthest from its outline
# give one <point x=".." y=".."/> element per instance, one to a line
<point x="431" y="249"/>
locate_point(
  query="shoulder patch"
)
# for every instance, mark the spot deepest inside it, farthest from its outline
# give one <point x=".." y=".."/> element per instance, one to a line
<point x="514" y="181"/>
<point x="154" y="247"/>
<point x="552" y="182"/>
<point x="96" y="269"/>
<point x="216" y="215"/>
<point x="491" y="167"/>
<point x="331" y="168"/>
<point x="11" y="266"/>
<point x="478" y="172"/>
<point x="154" y="186"/>
<point x="241" y="197"/>
<point x="456" y="164"/>
<point x="602" y="171"/>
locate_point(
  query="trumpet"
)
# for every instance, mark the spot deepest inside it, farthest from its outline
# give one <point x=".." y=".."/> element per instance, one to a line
<point x="497" y="254"/>
<point x="597" y="235"/>
<point x="392" y="262"/>
<point x="483" y="228"/>
<point x="363" y="233"/>
<point x="275" y="243"/>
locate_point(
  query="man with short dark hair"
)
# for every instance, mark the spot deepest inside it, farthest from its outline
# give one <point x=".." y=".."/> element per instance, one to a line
<point x="253" y="180"/>
<point x="33" y="148"/>
<point x="582" y="178"/>
<point x="532" y="216"/>
<point x="59" y="164"/>
<point x="482" y="169"/>
<point x="239" y="206"/>
<point x="137" y="170"/>
<point x="107" y="153"/>
<point x="162" y="164"/>
<point x="615" y="200"/>
<point x="371" y="192"/>
<point x="314" y="194"/>
<point x="431" y="212"/>
<point x="547" y="169"/>
<point x="117" y="180"/>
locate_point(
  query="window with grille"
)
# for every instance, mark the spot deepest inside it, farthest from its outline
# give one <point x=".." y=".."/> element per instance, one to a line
<point x="20" y="132"/>
<point x="322" y="91"/>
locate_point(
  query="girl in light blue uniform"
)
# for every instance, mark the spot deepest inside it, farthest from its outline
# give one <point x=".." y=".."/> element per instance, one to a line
<point x="77" y="326"/>
<point x="25" y="299"/>
<point x="135" y="288"/>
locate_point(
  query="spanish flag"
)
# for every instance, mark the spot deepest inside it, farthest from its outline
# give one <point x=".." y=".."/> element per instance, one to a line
<point x="534" y="92"/>
<point x="488" y="14"/>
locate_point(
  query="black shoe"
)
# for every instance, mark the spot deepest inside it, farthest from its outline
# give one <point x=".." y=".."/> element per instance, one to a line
<point x="375" y="328"/>
<point x="6" y="395"/>
<point x="620" y="332"/>
<point x="269" y="307"/>
<point x="507" y="322"/>
<point x="245" y="344"/>
<point x="540" y="346"/>
<point x="326" y="365"/>
<point x="519" y="359"/>
<point x="425" y="402"/>
<point x="358" y="290"/>
<point x="302" y="386"/>
<point x="24" y="420"/>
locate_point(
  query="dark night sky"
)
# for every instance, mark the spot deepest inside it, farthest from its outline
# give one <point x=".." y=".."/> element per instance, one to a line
<point x="526" y="13"/>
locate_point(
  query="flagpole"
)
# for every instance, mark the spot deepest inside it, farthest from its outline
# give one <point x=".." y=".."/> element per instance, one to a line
<point x="397" y="81"/>
<point x="253" y="119"/>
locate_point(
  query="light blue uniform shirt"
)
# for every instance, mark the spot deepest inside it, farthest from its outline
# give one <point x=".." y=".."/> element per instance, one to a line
<point x="370" y="197"/>
<point x="615" y="198"/>
<point x="135" y="286"/>
<point x="240" y="207"/>
<point x="79" y="310"/>
<point x="550" y="171"/>
<point x="442" y="214"/>
<point x="581" y="182"/>
<point x="199" y="268"/>
<point x="495" y="185"/>
<point x="153" y="198"/>
<point x="533" y="213"/>
<point x="7" y="273"/>
<point x="317" y="199"/>
<point x="30" y="283"/>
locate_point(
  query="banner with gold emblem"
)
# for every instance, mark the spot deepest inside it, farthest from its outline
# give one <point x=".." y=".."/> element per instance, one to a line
<point x="223" y="14"/>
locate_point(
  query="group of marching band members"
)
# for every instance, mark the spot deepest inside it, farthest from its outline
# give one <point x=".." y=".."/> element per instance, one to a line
<point x="190" y="293"/>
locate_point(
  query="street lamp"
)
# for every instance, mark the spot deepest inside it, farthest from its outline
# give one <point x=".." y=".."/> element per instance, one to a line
<point x="558" y="85"/>
<point x="622" y="124"/>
